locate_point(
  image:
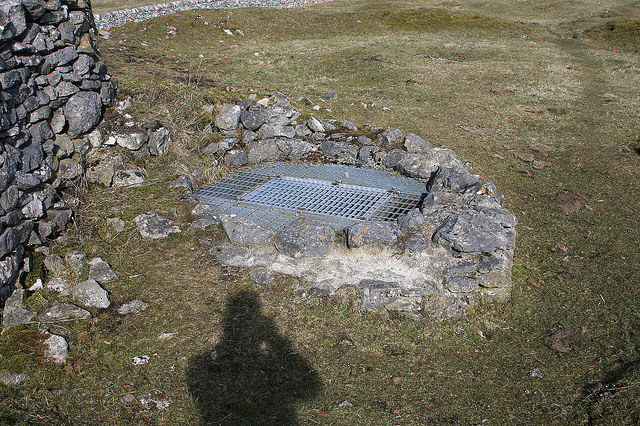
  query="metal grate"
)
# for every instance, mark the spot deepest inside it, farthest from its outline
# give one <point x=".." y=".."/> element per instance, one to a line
<point x="330" y="199"/>
<point x="274" y="200"/>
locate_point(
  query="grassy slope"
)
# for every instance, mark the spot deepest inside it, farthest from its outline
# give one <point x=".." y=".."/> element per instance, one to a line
<point x="578" y="96"/>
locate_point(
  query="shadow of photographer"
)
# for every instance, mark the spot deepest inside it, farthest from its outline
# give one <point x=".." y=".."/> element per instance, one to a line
<point x="254" y="375"/>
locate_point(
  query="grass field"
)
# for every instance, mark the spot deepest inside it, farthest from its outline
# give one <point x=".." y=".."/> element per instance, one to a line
<point x="495" y="81"/>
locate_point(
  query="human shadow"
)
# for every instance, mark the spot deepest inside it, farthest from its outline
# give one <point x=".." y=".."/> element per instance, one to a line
<point x="254" y="375"/>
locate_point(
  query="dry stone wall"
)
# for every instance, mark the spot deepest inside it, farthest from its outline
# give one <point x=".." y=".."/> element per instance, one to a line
<point x="116" y="18"/>
<point x="54" y="87"/>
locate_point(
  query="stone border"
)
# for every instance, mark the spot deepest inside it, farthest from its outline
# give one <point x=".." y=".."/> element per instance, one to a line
<point x="107" y="20"/>
<point x="441" y="258"/>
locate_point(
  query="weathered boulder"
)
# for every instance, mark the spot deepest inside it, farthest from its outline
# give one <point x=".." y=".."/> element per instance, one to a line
<point x="133" y="307"/>
<point x="414" y="142"/>
<point x="372" y="233"/>
<point x="244" y="231"/>
<point x="236" y="158"/>
<point x="91" y="294"/>
<point x="228" y="117"/>
<point x="473" y="232"/>
<point x="56" y="348"/>
<point x="343" y="152"/>
<point x="63" y="311"/>
<point x="254" y="117"/>
<point x="83" y="112"/>
<point x="377" y="294"/>
<point x="391" y="138"/>
<point x="305" y="238"/>
<point x="423" y="165"/>
<point x="151" y="225"/>
<point x="128" y="178"/>
<point x="14" y="310"/>
<point x="238" y="256"/>
<point x="101" y="271"/>
<point x="159" y="141"/>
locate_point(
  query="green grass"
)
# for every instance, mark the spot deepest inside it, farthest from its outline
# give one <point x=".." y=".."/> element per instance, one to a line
<point x="520" y="72"/>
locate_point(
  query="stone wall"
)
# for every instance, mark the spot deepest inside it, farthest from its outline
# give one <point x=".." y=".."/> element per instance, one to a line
<point x="120" y="17"/>
<point x="54" y="88"/>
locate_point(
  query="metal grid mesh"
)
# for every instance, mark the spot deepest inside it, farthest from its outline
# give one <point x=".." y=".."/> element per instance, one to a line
<point x="320" y="197"/>
<point x="266" y="196"/>
<point x="233" y="187"/>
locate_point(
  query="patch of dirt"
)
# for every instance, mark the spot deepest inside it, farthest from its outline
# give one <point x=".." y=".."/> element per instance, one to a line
<point x="564" y="340"/>
<point x="571" y="200"/>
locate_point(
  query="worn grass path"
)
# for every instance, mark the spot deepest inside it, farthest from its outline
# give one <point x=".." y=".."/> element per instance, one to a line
<point x="555" y="80"/>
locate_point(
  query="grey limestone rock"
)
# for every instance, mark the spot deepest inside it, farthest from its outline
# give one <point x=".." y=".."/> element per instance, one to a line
<point x="133" y="141"/>
<point x="294" y="149"/>
<point x="159" y="141"/>
<point x="412" y="219"/>
<point x="151" y="225"/>
<point x="305" y="238"/>
<point x="55" y="222"/>
<point x="103" y="169"/>
<point x="9" y="378"/>
<point x="343" y="152"/>
<point x="423" y="165"/>
<point x="133" y="307"/>
<point x="263" y="150"/>
<point x="56" y="348"/>
<point x="91" y="294"/>
<point x="65" y="146"/>
<point x="55" y="264"/>
<point x="228" y="117"/>
<point x="254" y="117"/>
<point x="76" y="261"/>
<point x="417" y="242"/>
<point x="393" y="158"/>
<point x="69" y="169"/>
<point x="451" y="179"/>
<point x="241" y="230"/>
<point x="101" y="271"/>
<point x="495" y="271"/>
<point x="391" y="138"/>
<point x="63" y="311"/>
<point x="14" y="310"/>
<point x="83" y="112"/>
<point x="238" y="256"/>
<point x="315" y="125"/>
<point x="365" y="154"/>
<point x="372" y="233"/>
<point x="236" y="158"/>
<point x="182" y="181"/>
<point x="377" y="294"/>
<point x="128" y="178"/>
<point x="60" y="285"/>
<point x="473" y="232"/>
<point x="261" y="276"/>
<point x="414" y="142"/>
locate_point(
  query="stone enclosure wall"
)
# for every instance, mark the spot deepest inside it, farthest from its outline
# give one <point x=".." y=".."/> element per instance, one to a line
<point x="54" y="88"/>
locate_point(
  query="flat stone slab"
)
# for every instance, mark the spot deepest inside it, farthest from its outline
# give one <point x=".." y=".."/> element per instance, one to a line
<point x="90" y="294"/>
